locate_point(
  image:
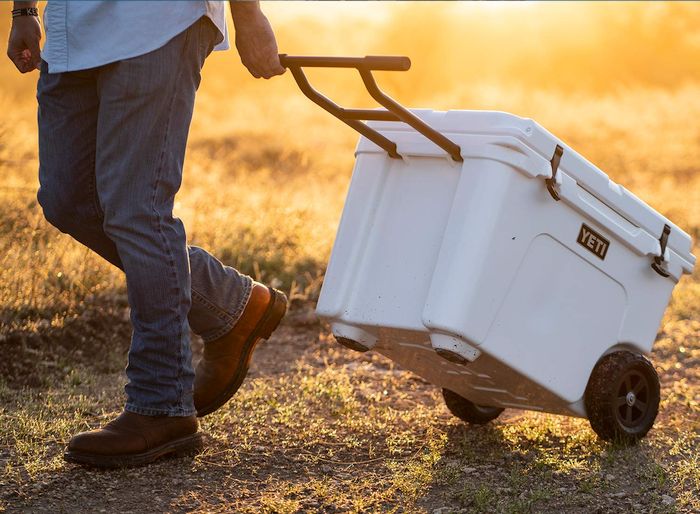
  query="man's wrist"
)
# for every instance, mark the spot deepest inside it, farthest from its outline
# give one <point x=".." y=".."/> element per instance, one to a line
<point x="24" y="5"/>
<point x="25" y="11"/>
<point x="19" y="9"/>
<point x="241" y="10"/>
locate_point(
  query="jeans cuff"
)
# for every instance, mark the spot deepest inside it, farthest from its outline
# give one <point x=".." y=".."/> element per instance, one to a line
<point x="178" y="412"/>
<point x="234" y="316"/>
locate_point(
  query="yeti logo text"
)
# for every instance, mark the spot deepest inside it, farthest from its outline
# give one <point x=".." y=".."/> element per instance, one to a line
<point x="593" y="241"/>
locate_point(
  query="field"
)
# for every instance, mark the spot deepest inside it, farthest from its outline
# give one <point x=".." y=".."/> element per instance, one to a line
<point x="317" y="427"/>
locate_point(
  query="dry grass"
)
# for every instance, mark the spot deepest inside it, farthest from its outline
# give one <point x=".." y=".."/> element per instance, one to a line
<point x="321" y="429"/>
<point x="328" y="431"/>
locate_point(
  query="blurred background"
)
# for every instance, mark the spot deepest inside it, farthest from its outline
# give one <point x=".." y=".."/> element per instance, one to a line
<point x="267" y="170"/>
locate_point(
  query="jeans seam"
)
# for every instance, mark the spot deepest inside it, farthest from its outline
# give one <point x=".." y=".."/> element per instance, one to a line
<point x="93" y="193"/>
<point x="171" y="260"/>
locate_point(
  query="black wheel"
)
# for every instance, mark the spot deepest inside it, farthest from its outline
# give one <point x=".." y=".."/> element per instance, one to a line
<point x="469" y="411"/>
<point x="452" y="356"/>
<point x="622" y="397"/>
<point x="352" y="344"/>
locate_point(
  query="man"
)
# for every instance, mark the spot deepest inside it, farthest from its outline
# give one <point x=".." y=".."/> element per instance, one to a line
<point x="116" y="93"/>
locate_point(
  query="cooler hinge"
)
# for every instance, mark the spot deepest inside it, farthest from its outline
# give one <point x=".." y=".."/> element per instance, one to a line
<point x="659" y="259"/>
<point x="552" y="181"/>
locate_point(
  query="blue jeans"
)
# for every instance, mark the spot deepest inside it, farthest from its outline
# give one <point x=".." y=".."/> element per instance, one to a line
<point x="111" y="149"/>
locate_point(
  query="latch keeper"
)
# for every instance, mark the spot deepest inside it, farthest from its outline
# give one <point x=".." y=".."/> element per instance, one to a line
<point x="659" y="259"/>
<point x="552" y="181"/>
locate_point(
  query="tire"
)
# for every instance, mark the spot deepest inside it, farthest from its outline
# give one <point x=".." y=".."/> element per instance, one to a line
<point x="351" y="344"/>
<point x="468" y="411"/>
<point x="622" y="397"/>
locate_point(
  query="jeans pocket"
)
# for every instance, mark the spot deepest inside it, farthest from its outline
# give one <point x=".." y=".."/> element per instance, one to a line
<point x="208" y="36"/>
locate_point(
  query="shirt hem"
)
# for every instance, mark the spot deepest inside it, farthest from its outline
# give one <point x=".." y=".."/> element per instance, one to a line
<point x="58" y="68"/>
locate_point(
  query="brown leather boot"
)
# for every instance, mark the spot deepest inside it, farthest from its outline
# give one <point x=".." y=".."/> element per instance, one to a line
<point x="134" y="440"/>
<point x="225" y="361"/>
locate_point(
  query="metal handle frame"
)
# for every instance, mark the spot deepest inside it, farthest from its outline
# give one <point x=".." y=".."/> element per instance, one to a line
<point x="354" y="117"/>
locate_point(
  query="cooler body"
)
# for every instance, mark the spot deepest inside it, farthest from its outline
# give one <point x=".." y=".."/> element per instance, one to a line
<point x="528" y="287"/>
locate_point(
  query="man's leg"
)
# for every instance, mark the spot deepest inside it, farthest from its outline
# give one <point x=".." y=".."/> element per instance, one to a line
<point x="68" y="106"/>
<point x="70" y="109"/>
<point x="67" y="119"/>
<point x="219" y="293"/>
<point x="84" y="119"/>
<point x="145" y="109"/>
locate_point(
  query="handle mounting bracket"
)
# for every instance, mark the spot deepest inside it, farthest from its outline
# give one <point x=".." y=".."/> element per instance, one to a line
<point x="552" y="181"/>
<point x="659" y="259"/>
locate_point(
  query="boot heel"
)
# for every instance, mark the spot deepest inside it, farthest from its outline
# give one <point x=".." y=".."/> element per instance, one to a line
<point x="275" y="314"/>
<point x="189" y="446"/>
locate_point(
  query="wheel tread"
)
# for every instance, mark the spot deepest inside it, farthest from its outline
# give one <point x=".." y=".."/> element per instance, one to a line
<point x="467" y="410"/>
<point x="600" y="396"/>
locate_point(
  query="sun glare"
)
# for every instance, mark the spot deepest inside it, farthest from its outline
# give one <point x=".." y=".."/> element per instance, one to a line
<point x="328" y="11"/>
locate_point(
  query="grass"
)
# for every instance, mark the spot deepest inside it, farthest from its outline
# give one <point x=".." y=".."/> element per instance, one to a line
<point x="317" y="427"/>
<point x="334" y="434"/>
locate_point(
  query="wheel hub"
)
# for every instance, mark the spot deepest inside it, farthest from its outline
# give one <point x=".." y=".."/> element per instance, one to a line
<point x="632" y="399"/>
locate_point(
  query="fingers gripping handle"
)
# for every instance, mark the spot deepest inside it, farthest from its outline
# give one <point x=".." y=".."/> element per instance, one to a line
<point x="352" y="117"/>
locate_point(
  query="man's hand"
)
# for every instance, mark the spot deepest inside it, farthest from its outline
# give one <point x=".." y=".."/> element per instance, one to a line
<point x="23" y="46"/>
<point x="255" y="40"/>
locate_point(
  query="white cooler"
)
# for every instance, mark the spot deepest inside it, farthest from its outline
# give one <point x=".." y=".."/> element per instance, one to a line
<point x="505" y="278"/>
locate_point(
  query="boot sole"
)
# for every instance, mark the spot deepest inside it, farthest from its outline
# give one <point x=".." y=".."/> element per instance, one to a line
<point x="268" y="323"/>
<point x="177" y="448"/>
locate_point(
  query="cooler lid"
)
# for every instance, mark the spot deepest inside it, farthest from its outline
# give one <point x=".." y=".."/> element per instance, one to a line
<point x="544" y="143"/>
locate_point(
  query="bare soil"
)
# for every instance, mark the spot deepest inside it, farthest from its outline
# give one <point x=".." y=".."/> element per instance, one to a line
<point x="319" y="428"/>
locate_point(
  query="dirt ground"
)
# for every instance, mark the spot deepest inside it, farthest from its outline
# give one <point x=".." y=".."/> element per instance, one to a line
<point x="318" y="428"/>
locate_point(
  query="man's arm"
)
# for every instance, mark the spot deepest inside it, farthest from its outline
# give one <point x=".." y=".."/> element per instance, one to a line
<point x="255" y="39"/>
<point x="25" y="35"/>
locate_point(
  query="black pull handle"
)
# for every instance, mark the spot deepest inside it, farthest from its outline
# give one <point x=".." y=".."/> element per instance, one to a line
<point x="370" y="62"/>
<point x="352" y="117"/>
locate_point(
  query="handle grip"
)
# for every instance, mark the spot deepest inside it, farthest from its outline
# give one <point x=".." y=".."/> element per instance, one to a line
<point x="370" y="62"/>
<point x="352" y="117"/>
